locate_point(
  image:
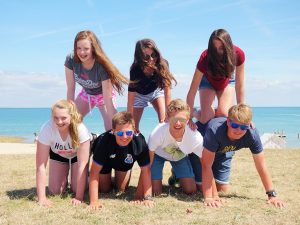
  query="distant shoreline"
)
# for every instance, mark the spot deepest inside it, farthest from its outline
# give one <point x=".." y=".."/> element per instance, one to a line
<point x="12" y="139"/>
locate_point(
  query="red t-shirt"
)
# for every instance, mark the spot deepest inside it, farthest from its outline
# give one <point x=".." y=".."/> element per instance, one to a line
<point x="219" y="83"/>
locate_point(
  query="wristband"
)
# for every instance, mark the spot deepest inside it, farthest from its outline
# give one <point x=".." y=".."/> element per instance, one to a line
<point x="271" y="193"/>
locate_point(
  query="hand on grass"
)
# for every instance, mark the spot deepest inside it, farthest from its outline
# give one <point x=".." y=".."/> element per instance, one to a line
<point x="75" y="201"/>
<point x="276" y="202"/>
<point x="149" y="203"/>
<point x="95" y="206"/>
<point x="213" y="202"/>
<point x="45" y="202"/>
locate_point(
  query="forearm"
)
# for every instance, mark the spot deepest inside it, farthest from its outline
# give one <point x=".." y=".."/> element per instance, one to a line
<point x="139" y="189"/>
<point x="147" y="185"/>
<point x="111" y="110"/>
<point x="262" y="170"/>
<point x="167" y="93"/>
<point x="240" y="95"/>
<point x="208" y="183"/>
<point x="130" y="101"/>
<point x="70" y="93"/>
<point x="266" y="179"/>
<point x="41" y="184"/>
<point x="190" y="100"/>
<point x="93" y="188"/>
<point x="70" y="81"/>
<point x="240" y="84"/>
<point x="81" y="181"/>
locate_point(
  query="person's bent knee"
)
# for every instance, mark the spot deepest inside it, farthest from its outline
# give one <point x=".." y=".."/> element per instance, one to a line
<point x="56" y="190"/>
<point x="156" y="187"/>
<point x="188" y="185"/>
<point x="189" y="190"/>
<point x="222" y="187"/>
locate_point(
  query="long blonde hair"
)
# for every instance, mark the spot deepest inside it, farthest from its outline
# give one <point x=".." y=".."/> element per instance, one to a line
<point x="76" y="119"/>
<point x="115" y="76"/>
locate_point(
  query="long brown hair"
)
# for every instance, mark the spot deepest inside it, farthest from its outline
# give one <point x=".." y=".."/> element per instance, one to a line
<point x="117" y="79"/>
<point x="164" y="78"/>
<point x="76" y="119"/>
<point x="225" y="65"/>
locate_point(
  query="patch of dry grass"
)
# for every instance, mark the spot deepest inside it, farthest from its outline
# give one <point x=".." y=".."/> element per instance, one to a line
<point x="11" y="139"/>
<point x="245" y="203"/>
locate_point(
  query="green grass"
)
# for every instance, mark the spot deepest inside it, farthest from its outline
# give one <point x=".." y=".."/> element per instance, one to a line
<point x="245" y="203"/>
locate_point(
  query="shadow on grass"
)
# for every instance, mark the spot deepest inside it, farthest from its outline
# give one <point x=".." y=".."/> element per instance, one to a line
<point x="28" y="194"/>
<point x="234" y="195"/>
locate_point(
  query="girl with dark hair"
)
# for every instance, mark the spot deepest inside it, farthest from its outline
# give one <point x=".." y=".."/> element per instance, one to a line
<point x="219" y="71"/>
<point x="150" y="81"/>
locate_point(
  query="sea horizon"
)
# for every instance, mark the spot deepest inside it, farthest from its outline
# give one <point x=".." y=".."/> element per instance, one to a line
<point x="24" y="122"/>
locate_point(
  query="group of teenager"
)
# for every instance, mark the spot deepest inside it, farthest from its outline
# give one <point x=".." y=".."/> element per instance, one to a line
<point x="198" y="144"/>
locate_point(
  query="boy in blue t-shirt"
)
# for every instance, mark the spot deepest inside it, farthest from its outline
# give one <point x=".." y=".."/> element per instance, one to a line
<point x="222" y="138"/>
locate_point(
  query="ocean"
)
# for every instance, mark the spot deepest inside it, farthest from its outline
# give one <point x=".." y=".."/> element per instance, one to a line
<point x="23" y="122"/>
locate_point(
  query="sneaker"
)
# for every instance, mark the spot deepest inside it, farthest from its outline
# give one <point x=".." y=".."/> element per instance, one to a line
<point x="173" y="181"/>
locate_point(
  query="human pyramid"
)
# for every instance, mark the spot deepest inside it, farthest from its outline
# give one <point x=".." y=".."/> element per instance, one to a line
<point x="200" y="152"/>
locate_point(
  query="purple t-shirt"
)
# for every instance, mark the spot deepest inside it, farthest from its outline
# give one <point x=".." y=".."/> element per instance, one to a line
<point x="91" y="79"/>
<point x="216" y="139"/>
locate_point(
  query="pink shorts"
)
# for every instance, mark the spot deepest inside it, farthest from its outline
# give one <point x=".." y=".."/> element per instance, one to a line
<point x="96" y="100"/>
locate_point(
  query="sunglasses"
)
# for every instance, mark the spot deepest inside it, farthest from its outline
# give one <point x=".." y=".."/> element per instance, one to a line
<point x="121" y="133"/>
<point x="152" y="56"/>
<point x="241" y="126"/>
<point x="175" y="120"/>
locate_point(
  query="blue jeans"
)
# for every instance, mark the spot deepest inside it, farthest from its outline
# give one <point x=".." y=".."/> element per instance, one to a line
<point x="221" y="167"/>
<point x="181" y="168"/>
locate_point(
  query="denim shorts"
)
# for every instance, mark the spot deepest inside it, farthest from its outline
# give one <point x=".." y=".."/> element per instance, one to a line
<point x="204" y="84"/>
<point x="141" y="101"/>
<point x="181" y="168"/>
<point x="221" y="167"/>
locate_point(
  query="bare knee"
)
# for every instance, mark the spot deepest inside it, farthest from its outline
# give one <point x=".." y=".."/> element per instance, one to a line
<point x="222" y="187"/>
<point x="221" y="113"/>
<point x="188" y="185"/>
<point x="189" y="190"/>
<point x="156" y="187"/>
<point x="105" y="188"/>
<point x="57" y="190"/>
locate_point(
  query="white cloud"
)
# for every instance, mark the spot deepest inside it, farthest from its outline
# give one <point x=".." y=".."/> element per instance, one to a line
<point x="43" y="89"/>
<point x="31" y="89"/>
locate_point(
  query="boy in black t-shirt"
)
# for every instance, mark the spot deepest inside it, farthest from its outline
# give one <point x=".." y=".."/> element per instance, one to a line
<point x="118" y="149"/>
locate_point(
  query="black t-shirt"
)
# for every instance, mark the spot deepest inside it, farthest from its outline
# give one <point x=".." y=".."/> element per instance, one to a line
<point x="108" y="153"/>
<point x="141" y="83"/>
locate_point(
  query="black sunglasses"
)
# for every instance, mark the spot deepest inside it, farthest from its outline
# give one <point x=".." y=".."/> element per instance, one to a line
<point x="152" y="56"/>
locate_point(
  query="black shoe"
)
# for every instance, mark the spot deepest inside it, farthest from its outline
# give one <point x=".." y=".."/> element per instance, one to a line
<point x="173" y="181"/>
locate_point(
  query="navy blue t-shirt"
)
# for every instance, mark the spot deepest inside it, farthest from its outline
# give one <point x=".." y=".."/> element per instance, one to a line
<point x="216" y="139"/>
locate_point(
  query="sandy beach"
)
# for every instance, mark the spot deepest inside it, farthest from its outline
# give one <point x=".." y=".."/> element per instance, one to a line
<point x="17" y="148"/>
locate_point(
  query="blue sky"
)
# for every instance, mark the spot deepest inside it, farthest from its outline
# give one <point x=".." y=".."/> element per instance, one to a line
<point x="37" y="35"/>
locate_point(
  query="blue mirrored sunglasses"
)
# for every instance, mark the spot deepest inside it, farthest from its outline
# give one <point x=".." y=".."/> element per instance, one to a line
<point x="241" y="126"/>
<point x="121" y="133"/>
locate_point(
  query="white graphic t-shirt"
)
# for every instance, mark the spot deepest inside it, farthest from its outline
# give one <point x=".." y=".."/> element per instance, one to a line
<point x="49" y="135"/>
<point x="164" y="145"/>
